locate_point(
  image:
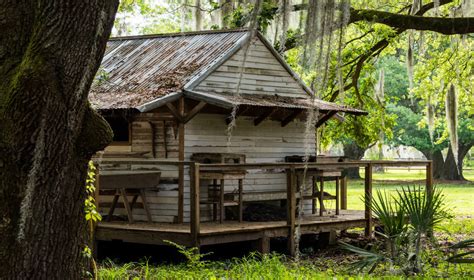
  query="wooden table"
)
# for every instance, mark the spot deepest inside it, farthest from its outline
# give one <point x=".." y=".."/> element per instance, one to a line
<point x="222" y="176"/>
<point x="124" y="183"/>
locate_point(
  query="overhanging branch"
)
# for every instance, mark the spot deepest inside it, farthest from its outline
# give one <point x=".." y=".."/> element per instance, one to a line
<point x="447" y="26"/>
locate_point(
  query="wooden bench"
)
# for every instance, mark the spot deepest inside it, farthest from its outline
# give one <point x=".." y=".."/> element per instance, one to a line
<point x="124" y="183"/>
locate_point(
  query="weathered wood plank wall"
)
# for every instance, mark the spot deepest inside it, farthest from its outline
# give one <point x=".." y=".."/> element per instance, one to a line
<point x="262" y="74"/>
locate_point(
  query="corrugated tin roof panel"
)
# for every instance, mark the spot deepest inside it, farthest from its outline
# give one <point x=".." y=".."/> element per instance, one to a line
<point x="137" y="70"/>
<point x="273" y="101"/>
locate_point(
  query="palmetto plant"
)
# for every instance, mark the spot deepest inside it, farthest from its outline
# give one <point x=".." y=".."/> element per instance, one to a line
<point x="393" y="218"/>
<point x="412" y="212"/>
<point x="467" y="252"/>
<point x="424" y="212"/>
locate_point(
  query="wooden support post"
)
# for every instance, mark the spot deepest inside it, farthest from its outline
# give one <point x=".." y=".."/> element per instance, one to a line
<point x="263" y="245"/>
<point x="429" y="178"/>
<point x="337" y="195"/>
<point x="321" y="196"/>
<point x="145" y="206"/>
<point x="181" y="165"/>
<point x="344" y="192"/>
<point x="195" y="210"/>
<point x="221" y="202"/>
<point x="325" y="118"/>
<point x="429" y="186"/>
<point x="313" y="194"/>
<point x="241" y="200"/>
<point x="194" y="111"/>
<point x="368" y="200"/>
<point x="291" y="117"/>
<point x="127" y="205"/>
<point x="291" y="209"/>
<point x="264" y="116"/>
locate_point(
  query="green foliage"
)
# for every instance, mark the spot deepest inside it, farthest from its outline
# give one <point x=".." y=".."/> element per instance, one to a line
<point x="194" y="258"/>
<point x="242" y="15"/>
<point x="92" y="216"/>
<point x="424" y="211"/>
<point x="466" y="247"/>
<point x="390" y="214"/>
<point x="90" y="209"/>
<point x="369" y="259"/>
<point x="407" y="220"/>
<point x="408" y="131"/>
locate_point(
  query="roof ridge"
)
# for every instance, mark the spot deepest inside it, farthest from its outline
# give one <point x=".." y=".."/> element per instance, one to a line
<point x="177" y="34"/>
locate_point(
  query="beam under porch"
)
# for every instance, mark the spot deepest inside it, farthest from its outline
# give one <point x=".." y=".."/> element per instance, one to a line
<point x="291" y="117"/>
<point x="325" y="118"/>
<point x="265" y="115"/>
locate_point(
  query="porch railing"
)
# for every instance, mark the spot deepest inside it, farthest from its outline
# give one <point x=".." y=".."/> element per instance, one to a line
<point x="195" y="169"/>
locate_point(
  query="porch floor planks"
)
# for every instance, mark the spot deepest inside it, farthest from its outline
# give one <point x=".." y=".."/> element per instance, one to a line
<point x="229" y="231"/>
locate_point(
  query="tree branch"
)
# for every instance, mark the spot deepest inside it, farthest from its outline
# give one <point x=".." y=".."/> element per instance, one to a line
<point x="447" y="26"/>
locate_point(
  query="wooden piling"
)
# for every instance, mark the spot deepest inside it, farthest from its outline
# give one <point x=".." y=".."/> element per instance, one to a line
<point x="195" y="213"/>
<point x="368" y="200"/>
<point x="291" y="209"/>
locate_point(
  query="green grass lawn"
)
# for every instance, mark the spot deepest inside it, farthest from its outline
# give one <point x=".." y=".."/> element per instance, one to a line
<point x="412" y="174"/>
<point x="459" y="197"/>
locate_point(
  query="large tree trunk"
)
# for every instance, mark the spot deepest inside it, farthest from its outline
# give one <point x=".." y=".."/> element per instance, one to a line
<point x="49" y="53"/>
<point x="446" y="169"/>
<point x="438" y="162"/>
<point x="450" y="168"/>
<point x="354" y="152"/>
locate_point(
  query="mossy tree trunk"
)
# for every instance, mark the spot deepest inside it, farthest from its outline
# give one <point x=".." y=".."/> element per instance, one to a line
<point x="446" y="168"/>
<point x="49" y="53"/>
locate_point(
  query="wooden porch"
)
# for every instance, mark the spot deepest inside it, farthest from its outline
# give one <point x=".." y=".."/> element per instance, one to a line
<point x="198" y="233"/>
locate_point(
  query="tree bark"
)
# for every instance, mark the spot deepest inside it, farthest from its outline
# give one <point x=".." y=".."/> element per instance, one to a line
<point x="447" y="26"/>
<point x="49" y="54"/>
<point x="438" y="162"/>
<point x="450" y="167"/>
<point x="446" y="169"/>
<point x="354" y="152"/>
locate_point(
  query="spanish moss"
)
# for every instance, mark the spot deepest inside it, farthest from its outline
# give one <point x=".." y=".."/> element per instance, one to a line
<point x="452" y="121"/>
<point x="430" y="115"/>
<point x="285" y="9"/>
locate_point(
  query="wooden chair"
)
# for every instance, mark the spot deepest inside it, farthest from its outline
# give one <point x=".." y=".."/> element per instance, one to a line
<point x="318" y="193"/>
<point x="217" y="197"/>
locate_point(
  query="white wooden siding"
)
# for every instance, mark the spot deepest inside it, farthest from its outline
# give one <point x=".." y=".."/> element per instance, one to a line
<point x="262" y="74"/>
<point x="207" y="133"/>
<point x="267" y="142"/>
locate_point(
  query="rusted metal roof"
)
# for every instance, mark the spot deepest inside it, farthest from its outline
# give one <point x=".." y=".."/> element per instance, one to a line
<point x="227" y="100"/>
<point x="139" y="69"/>
<point x="145" y="72"/>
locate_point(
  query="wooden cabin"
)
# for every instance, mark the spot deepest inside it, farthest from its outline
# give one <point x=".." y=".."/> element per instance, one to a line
<point x="169" y="100"/>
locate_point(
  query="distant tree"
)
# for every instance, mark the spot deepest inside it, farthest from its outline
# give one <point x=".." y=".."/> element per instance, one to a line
<point x="49" y="54"/>
<point x="409" y="132"/>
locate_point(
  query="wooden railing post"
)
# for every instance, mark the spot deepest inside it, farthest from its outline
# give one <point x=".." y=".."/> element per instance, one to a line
<point x="195" y="215"/>
<point x="181" y="165"/>
<point x="429" y="178"/>
<point x="291" y="209"/>
<point x="368" y="199"/>
<point x="429" y="185"/>
<point x="344" y="192"/>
